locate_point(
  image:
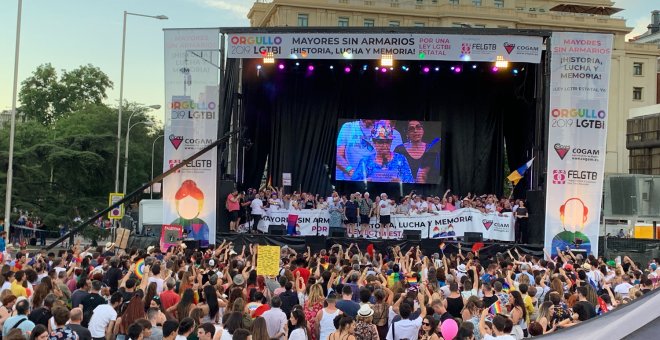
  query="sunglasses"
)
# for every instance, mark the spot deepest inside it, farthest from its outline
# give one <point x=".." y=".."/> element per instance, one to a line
<point x="426" y="324"/>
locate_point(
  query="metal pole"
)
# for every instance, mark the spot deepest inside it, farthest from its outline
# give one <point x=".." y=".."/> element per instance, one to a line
<point x="121" y="101"/>
<point x="10" y="169"/>
<point x="153" y="145"/>
<point x="128" y="136"/>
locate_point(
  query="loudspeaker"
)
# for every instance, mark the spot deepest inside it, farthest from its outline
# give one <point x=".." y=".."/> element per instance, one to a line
<point x="192" y="244"/>
<point x="277" y="229"/>
<point x="536" y="222"/>
<point x="412" y="235"/>
<point x="222" y="215"/>
<point x="472" y="237"/>
<point x="337" y="232"/>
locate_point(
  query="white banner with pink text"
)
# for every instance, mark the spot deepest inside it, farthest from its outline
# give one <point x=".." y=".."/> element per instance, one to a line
<point x="444" y="224"/>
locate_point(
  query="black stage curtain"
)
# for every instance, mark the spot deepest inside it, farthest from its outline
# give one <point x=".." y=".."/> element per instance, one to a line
<point x="292" y="114"/>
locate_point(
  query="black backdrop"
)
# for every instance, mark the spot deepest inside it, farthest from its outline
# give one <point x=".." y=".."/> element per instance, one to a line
<point x="291" y="116"/>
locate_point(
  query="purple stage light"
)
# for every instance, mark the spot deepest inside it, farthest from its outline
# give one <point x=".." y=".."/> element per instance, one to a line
<point x="495" y="69"/>
<point x="310" y="67"/>
<point x="281" y="66"/>
<point x="457" y="69"/>
<point x="383" y="69"/>
<point x="426" y="69"/>
<point x="347" y="69"/>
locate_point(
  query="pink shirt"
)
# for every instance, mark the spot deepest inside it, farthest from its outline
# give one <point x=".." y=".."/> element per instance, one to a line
<point x="233" y="206"/>
<point x="449" y="207"/>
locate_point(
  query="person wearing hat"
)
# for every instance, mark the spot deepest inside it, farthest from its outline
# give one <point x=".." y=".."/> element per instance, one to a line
<point x="383" y="165"/>
<point x="407" y="328"/>
<point x="364" y="327"/>
<point x="109" y="249"/>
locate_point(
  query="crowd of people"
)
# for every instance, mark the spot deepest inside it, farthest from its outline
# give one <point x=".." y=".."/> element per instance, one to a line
<point x="337" y="293"/>
<point x="354" y="211"/>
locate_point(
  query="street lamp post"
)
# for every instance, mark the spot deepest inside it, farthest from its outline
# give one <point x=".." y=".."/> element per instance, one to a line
<point x="121" y="89"/>
<point x="128" y="136"/>
<point x="12" y="129"/>
<point x="153" y="145"/>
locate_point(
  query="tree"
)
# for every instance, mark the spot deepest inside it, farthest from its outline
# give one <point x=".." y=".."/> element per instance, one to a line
<point x="45" y="98"/>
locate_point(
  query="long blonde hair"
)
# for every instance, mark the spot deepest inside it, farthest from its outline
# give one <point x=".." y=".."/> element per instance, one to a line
<point x="315" y="295"/>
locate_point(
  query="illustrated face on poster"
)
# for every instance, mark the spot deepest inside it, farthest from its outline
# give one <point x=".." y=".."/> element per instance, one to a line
<point x="189" y="201"/>
<point x="388" y="151"/>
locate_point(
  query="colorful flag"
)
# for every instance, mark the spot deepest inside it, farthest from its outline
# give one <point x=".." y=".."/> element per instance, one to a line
<point x="518" y="174"/>
<point x="412" y="280"/>
<point x="139" y="268"/>
<point x="495" y="308"/>
<point x="477" y="246"/>
<point x="505" y="287"/>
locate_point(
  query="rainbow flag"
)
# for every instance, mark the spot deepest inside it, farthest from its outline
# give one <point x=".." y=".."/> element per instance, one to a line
<point x="495" y="308"/>
<point x="518" y="174"/>
<point x="505" y="287"/>
<point x="412" y="280"/>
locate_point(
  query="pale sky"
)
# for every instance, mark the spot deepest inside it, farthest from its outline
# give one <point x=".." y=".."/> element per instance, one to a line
<point x="70" y="33"/>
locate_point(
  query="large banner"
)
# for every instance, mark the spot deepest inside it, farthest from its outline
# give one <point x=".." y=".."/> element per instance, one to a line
<point x="191" y="123"/>
<point x="513" y="48"/>
<point x="579" y="89"/>
<point x="445" y="224"/>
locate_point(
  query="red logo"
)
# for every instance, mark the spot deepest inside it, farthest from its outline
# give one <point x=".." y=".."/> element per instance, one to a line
<point x="465" y="48"/>
<point x="562" y="150"/>
<point x="509" y="47"/>
<point x="558" y="176"/>
<point x="176" y="141"/>
<point x="487" y="224"/>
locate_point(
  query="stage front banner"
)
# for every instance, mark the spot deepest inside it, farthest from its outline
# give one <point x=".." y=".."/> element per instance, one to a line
<point x="449" y="47"/>
<point x="577" y="133"/>
<point x="445" y="224"/>
<point x="191" y="123"/>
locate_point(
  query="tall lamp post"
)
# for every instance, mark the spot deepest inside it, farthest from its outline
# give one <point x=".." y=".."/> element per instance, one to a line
<point x="12" y="129"/>
<point x="153" y="145"/>
<point x="121" y="90"/>
<point x="128" y="136"/>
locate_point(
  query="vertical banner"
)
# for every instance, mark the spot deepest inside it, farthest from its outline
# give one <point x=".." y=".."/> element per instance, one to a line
<point x="579" y="89"/>
<point x="191" y="123"/>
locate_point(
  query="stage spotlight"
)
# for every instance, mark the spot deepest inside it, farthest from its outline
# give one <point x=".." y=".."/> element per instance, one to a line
<point x="437" y="69"/>
<point x="515" y="71"/>
<point x="457" y="69"/>
<point x="332" y="67"/>
<point x="310" y="68"/>
<point x="377" y="68"/>
<point x="426" y="69"/>
<point x="280" y="66"/>
<point x="465" y="57"/>
<point x="383" y="69"/>
<point x="391" y="68"/>
<point x="347" y="69"/>
<point x="501" y="63"/>
<point x="495" y="69"/>
<point x="293" y="56"/>
<point x="269" y="58"/>
<point x="297" y="64"/>
<point x="347" y="55"/>
<point x="258" y="67"/>
<point x="387" y="60"/>
<point x="304" y="54"/>
<point x="364" y="68"/>
<point x="474" y="67"/>
<point x="422" y="55"/>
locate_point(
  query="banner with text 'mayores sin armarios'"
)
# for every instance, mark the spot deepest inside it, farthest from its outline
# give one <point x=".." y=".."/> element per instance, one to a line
<point x="579" y="90"/>
<point x="191" y="123"/>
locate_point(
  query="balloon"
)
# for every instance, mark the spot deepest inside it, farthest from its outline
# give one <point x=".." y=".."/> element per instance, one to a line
<point x="449" y="329"/>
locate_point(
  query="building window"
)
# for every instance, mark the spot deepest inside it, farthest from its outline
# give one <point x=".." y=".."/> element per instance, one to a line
<point x="369" y="23"/>
<point x="637" y="69"/>
<point x="303" y="20"/>
<point x="419" y="24"/>
<point x="478" y="26"/>
<point x="637" y="93"/>
<point x="343" y="22"/>
<point x="453" y="2"/>
<point x="498" y="3"/>
<point x="394" y="23"/>
<point x="477" y="3"/>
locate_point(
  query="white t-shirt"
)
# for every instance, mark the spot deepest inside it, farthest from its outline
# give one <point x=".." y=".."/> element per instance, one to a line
<point x="385" y="208"/>
<point x="501" y="337"/>
<point x="298" y="334"/>
<point x="623" y="289"/>
<point x="257" y="206"/>
<point x="405" y="329"/>
<point x="159" y="283"/>
<point x="101" y="317"/>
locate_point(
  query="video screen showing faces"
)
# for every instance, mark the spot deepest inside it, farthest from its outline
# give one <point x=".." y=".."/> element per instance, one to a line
<point x="388" y="151"/>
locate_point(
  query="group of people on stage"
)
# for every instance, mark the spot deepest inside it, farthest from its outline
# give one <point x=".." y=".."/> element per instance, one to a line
<point x="354" y="211"/>
<point x="374" y="151"/>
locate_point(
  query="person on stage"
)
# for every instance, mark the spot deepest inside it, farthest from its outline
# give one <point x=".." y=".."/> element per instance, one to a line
<point x="384" y="211"/>
<point x="365" y="205"/>
<point x="257" y="211"/>
<point x="233" y="205"/>
<point x="354" y="143"/>
<point x="336" y="209"/>
<point x="351" y="213"/>
<point x="423" y="158"/>
<point x="384" y="165"/>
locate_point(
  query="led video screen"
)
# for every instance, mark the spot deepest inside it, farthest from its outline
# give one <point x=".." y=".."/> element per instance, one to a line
<point x="388" y="151"/>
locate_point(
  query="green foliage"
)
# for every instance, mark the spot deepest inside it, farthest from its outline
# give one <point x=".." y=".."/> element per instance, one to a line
<point x="45" y="98"/>
<point x="65" y="154"/>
